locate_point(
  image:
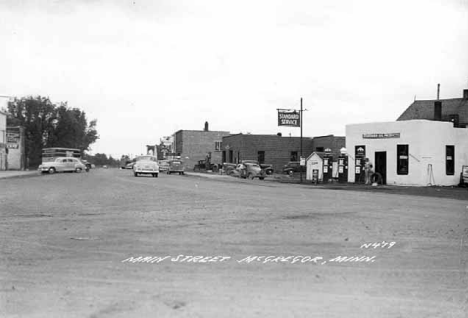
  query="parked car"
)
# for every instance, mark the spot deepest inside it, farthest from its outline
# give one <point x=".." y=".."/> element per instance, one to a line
<point x="87" y="165"/>
<point x="175" y="166"/>
<point x="202" y="165"/>
<point x="293" y="166"/>
<point x="130" y="165"/>
<point x="248" y="170"/>
<point x="464" y="177"/>
<point x="62" y="164"/>
<point x="228" y="167"/>
<point x="146" y="165"/>
<point x="268" y="168"/>
<point x="163" y="165"/>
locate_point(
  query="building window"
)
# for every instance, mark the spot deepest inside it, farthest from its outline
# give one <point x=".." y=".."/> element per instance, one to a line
<point x="293" y="156"/>
<point x="231" y="156"/>
<point x="402" y="159"/>
<point x="450" y="160"/>
<point x="218" y="145"/>
<point x="261" y="157"/>
<point x="319" y="149"/>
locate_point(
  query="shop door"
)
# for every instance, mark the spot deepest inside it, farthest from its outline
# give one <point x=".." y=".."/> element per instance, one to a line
<point x="381" y="165"/>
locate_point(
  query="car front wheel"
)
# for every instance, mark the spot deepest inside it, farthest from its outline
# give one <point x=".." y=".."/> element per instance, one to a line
<point x="135" y="174"/>
<point x="51" y="170"/>
<point x="78" y="170"/>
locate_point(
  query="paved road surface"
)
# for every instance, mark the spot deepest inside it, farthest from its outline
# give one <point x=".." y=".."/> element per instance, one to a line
<point x="70" y="247"/>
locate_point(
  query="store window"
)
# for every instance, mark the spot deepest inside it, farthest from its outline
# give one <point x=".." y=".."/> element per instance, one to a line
<point x="261" y="157"/>
<point x="402" y="159"/>
<point x="450" y="160"/>
<point x="293" y="156"/>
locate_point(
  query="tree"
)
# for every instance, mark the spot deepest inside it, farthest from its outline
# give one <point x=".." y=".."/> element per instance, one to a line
<point x="49" y="125"/>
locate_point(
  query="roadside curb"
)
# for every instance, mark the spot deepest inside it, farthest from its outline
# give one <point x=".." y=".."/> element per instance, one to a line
<point x="22" y="174"/>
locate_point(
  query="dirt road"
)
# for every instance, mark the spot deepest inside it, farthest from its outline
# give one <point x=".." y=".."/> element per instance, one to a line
<point x="107" y="244"/>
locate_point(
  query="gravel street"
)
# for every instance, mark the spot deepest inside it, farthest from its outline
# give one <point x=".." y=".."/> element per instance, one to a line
<point x="107" y="244"/>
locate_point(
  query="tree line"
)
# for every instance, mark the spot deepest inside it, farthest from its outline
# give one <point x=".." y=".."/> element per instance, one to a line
<point x="50" y="125"/>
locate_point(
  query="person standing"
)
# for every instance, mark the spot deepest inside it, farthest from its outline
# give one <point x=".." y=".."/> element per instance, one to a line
<point x="368" y="170"/>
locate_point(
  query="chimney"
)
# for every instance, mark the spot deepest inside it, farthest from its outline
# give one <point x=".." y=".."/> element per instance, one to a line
<point x="206" y="126"/>
<point x="465" y="94"/>
<point x="438" y="110"/>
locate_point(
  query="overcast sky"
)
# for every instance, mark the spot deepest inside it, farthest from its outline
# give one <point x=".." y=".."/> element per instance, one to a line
<point x="145" y="69"/>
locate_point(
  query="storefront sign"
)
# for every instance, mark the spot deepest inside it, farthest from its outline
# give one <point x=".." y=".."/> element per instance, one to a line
<point x="381" y="136"/>
<point x="360" y="151"/>
<point x="13" y="138"/>
<point x="289" y="118"/>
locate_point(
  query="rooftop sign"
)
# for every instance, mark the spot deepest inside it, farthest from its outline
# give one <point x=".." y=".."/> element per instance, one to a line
<point x="381" y="136"/>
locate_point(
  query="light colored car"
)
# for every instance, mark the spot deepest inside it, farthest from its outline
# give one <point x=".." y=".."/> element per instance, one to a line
<point x="248" y="170"/>
<point x="146" y="165"/>
<point x="62" y="164"/>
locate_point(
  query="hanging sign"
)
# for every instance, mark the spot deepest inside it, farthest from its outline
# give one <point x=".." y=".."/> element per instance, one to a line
<point x="289" y="118"/>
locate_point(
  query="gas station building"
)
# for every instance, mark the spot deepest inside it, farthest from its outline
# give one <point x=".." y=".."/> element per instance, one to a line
<point x="411" y="152"/>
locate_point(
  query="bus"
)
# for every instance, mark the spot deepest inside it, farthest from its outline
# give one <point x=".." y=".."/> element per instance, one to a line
<point x="50" y="154"/>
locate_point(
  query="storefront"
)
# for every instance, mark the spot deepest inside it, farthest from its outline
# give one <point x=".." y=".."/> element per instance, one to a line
<point x="413" y="152"/>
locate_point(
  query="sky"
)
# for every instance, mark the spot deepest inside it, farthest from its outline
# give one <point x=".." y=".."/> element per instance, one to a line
<point x="146" y="69"/>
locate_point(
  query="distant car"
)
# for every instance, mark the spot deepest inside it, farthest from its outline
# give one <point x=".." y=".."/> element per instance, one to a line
<point x="87" y="164"/>
<point x="62" y="164"/>
<point x="129" y="165"/>
<point x="175" y="166"/>
<point x="146" y="165"/>
<point x="163" y="165"/>
<point x="248" y="170"/>
<point x="268" y="168"/>
<point x="293" y="166"/>
<point x="228" y="168"/>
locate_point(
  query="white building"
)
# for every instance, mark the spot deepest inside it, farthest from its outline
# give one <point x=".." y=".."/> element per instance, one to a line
<point x="413" y="152"/>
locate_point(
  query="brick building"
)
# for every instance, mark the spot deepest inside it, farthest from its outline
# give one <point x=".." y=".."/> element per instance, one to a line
<point x="335" y="143"/>
<point x="275" y="149"/>
<point x="452" y="110"/>
<point x="271" y="149"/>
<point x="195" y="145"/>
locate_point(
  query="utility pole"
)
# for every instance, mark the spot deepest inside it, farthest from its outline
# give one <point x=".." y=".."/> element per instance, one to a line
<point x="300" y="158"/>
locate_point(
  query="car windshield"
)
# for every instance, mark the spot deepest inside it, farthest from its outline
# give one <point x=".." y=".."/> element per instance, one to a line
<point x="150" y="158"/>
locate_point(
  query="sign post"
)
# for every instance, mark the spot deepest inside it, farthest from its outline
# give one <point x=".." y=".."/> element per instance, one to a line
<point x="292" y="118"/>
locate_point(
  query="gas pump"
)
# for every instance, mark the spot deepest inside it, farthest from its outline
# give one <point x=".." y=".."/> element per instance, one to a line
<point x="327" y="165"/>
<point x="360" y="152"/>
<point x="343" y="166"/>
